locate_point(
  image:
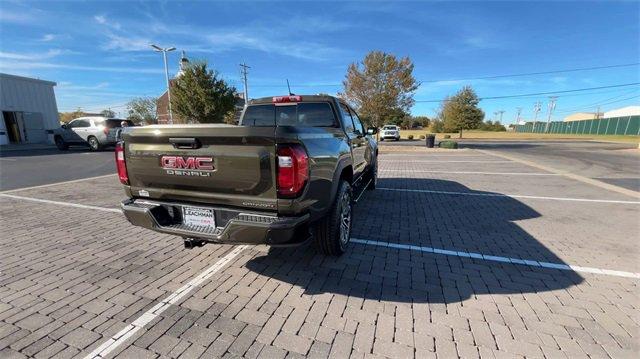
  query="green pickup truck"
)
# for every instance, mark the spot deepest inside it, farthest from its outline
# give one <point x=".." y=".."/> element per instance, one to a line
<point x="288" y="173"/>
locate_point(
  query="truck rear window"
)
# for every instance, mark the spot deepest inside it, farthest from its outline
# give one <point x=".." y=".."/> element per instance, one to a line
<point x="306" y="114"/>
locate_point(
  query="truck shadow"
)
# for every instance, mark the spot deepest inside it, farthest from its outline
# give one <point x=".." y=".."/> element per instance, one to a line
<point x="479" y="224"/>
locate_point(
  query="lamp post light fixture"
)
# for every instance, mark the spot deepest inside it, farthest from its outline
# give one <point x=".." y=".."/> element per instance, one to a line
<point x="166" y="74"/>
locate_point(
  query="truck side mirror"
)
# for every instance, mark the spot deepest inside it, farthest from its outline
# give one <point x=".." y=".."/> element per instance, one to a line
<point x="372" y="130"/>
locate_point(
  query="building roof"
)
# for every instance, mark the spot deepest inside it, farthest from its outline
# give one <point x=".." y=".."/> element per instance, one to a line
<point x="581" y="116"/>
<point x="31" y="79"/>
<point x="624" y="111"/>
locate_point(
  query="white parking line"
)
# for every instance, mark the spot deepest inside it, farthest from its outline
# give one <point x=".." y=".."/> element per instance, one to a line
<point x="573" y="176"/>
<point x="476" y="173"/>
<point x="526" y="262"/>
<point x="127" y="332"/>
<point x="59" y="183"/>
<point x="508" y="195"/>
<point x="57" y="203"/>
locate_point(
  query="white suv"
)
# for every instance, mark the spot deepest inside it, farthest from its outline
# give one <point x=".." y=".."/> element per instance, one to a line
<point x="390" y="131"/>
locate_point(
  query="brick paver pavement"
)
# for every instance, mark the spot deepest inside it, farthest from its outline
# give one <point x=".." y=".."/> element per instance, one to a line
<point x="70" y="277"/>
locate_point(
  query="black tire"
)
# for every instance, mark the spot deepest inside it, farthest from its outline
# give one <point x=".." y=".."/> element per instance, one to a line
<point x="332" y="233"/>
<point x="373" y="177"/>
<point x="94" y="145"/>
<point x="62" y="146"/>
<point x="381" y="138"/>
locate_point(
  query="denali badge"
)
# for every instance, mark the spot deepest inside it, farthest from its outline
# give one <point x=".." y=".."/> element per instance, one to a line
<point x="187" y="166"/>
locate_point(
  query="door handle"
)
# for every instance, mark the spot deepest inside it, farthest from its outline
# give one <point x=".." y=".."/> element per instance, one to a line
<point x="186" y="142"/>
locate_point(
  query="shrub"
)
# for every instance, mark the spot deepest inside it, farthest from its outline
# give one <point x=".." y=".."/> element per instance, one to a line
<point x="422" y="137"/>
<point x="447" y="136"/>
<point x="448" y="144"/>
<point x="410" y="137"/>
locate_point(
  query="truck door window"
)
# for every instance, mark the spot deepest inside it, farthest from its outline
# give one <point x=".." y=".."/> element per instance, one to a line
<point x="356" y="122"/>
<point x="348" y="121"/>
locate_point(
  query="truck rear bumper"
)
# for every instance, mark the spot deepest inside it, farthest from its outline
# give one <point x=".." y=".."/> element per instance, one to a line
<point x="232" y="226"/>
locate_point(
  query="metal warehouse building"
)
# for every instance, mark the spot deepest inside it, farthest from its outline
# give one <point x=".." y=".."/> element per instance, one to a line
<point x="29" y="110"/>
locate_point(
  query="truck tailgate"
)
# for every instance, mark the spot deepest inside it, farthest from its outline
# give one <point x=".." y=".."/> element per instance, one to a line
<point x="228" y="165"/>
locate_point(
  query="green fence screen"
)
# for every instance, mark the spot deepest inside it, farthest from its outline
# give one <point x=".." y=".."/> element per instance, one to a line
<point x="628" y="125"/>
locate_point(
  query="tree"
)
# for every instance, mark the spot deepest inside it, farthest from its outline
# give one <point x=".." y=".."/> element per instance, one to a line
<point x="420" y="121"/>
<point x="142" y="110"/>
<point x="381" y="87"/>
<point x="461" y="112"/>
<point x="198" y="95"/>
<point x="108" y="113"/>
<point x="68" y="116"/>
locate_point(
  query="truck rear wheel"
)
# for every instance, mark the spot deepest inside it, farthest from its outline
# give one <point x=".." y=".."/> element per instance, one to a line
<point x="333" y="232"/>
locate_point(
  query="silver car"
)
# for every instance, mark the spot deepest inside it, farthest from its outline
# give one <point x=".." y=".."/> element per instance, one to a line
<point x="95" y="132"/>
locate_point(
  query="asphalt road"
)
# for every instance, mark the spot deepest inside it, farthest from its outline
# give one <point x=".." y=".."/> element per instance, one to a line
<point x="28" y="168"/>
<point x="613" y="163"/>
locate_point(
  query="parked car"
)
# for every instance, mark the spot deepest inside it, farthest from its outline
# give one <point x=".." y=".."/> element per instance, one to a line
<point x="288" y="173"/>
<point x="390" y="132"/>
<point x="95" y="132"/>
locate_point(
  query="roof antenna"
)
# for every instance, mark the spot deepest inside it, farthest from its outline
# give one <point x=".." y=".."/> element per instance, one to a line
<point x="289" y="87"/>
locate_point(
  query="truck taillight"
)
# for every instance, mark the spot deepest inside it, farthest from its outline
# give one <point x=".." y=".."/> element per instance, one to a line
<point x="293" y="170"/>
<point x="121" y="165"/>
<point x="105" y="130"/>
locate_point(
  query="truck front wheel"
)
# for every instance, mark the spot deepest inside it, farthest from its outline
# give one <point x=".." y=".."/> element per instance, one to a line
<point x="333" y="232"/>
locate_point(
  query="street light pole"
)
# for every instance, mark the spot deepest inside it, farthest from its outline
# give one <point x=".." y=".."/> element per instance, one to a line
<point x="166" y="74"/>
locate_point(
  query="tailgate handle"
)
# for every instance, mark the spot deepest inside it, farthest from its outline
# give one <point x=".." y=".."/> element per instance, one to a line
<point x="188" y="142"/>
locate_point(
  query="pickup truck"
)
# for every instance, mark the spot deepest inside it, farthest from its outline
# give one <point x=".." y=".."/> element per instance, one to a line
<point x="288" y="173"/>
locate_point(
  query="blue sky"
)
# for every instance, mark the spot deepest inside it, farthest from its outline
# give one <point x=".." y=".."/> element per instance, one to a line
<point x="99" y="54"/>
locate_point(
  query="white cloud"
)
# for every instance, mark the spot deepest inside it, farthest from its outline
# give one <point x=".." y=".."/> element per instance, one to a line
<point x="30" y="56"/>
<point x="103" y="20"/>
<point x="13" y="17"/>
<point x="271" y="43"/>
<point x="26" y="65"/>
<point x="48" y="37"/>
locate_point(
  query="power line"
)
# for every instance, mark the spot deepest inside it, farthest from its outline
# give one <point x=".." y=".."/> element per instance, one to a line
<point x="489" y="77"/>
<point x="540" y="72"/>
<point x="599" y="102"/>
<point x="543" y="93"/>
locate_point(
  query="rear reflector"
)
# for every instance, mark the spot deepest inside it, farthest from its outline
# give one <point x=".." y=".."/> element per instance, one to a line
<point x="121" y="165"/>
<point x="293" y="170"/>
<point x="285" y="99"/>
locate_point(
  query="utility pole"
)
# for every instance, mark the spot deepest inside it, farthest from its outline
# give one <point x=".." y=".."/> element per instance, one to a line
<point x="550" y="108"/>
<point x="537" y="107"/>
<point x="243" y="70"/>
<point x="166" y="74"/>
<point x="500" y="113"/>
<point x="519" y="111"/>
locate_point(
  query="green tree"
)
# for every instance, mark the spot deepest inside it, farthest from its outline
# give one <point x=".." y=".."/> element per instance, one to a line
<point x="142" y="110"/>
<point x="436" y="126"/>
<point x="108" y="113"/>
<point x="461" y="112"/>
<point x="381" y="87"/>
<point x="420" y="121"/>
<point x="199" y="95"/>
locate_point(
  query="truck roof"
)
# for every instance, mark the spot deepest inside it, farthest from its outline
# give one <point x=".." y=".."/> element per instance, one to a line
<point x="304" y="98"/>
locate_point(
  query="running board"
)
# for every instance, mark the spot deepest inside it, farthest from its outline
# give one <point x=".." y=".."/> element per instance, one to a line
<point x="362" y="190"/>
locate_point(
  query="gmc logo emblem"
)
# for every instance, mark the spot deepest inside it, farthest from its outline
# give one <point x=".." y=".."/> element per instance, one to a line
<point x="186" y="163"/>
